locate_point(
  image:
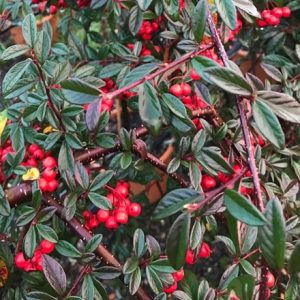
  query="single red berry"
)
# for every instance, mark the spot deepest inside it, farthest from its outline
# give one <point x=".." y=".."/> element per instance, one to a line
<point x="87" y="214"/>
<point x="122" y="217"/>
<point x="111" y="223"/>
<point x="53" y="9"/>
<point x="270" y="280"/>
<point x="277" y="12"/>
<point x="31" y="162"/>
<point x="178" y="276"/>
<point x="171" y="289"/>
<point x="102" y="215"/>
<point x="52" y="185"/>
<point x="49" y="162"/>
<point x="43" y="184"/>
<point x="20" y="260"/>
<point x="39" y="154"/>
<point x="93" y="222"/>
<point x="208" y="182"/>
<point x="122" y="190"/>
<point x="176" y="90"/>
<point x="223" y="177"/>
<point x="49" y="174"/>
<point x="237" y="168"/>
<point x="134" y="209"/>
<point x="273" y="21"/>
<point x="190" y="257"/>
<point x="46" y="247"/>
<point x="194" y="75"/>
<point x="186" y="89"/>
<point x="286" y="12"/>
<point x="32" y="148"/>
<point x="266" y="14"/>
<point x="205" y="251"/>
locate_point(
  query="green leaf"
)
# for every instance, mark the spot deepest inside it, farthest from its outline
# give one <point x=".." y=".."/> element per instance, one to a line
<point x="175" y="105"/>
<point x="199" y="20"/>
<point x="144" y="4"/>
<point x="4" y="204"/>
<point x="100" y="180"/>
<point x="268" y="124"/>
<point x="149" y="108"/>
<point x="111" y="70"/>
<point x="65" y="158"/>
<point x="243" y="286"/>
<point x="29" y="30"/>
<point x="196" y="235"/>
<point x="242" y="209"/>
<point x="228" y="243"/>
<point x="294" y="264"/>
<point x="283" y="105"/>
<point x="201" y="63"/>
<point x="14" y="51"/>
<point x="271" y="236"/>
<point x="138" y="242"/>
<point x="67" y="249"/>
<point x="175" y="201"/>
<point x="42" y="46"/>
<point x="248" y="7"/>
<point x="39" y="296"/>
<point x="154" y="280"/>
<point x="87" y="289"/>
<point x="93" y="243"/>
<point x="77" y="91"/>
<point x="135" y="281"/>
<point x="135" y="20"/>
<point x="130" y="265"/>
<point x="247" y="266"/>
<point x="177" y="241"/>
<point x="30" y="241"/>
<point x="47" y="233"/>
<point x="230" y="273"/>
<point x="125" y="160"/>
<point x="227" y="12"/>
<point x="293" y="288"/>
<point x="100" y="201"/>
<point x="228" y="80"/>
<point x="153" y="247"/>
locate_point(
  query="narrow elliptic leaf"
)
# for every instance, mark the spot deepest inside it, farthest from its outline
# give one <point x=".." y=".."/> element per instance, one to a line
<point x="100" y="201"/>
<point x="67" y="249"/>
<point x="14" y="51"/>
<point x="87" y="288"/>
<point x="92" y="115"/>
<point x="30" y="241"/>
<point x="175" y="105"/>
<point x="144" y="4"/>
<point x="55" y="274"/>
<point x="243" y="286"/>
<point x="283" y="105"/>
<point x="242" y="209"/>
<point x="93" y="243"/>
<point x="175" y="201"/>
<point x="135" y="20"/>
<point x="153" y="247"/>
<point x="138" y="242"/>
<point x="294" y="263"/>
<point x="177" y="241"/>
<point x="268" y="124"/>
<point x="154" y="280"/>
<point x="228" y="80"/>
<point x="229" y="274"/>
<point x="130" y="265"/>
<point x="135" y="281"/>
<point x="248" y="7"/>
<point x="100" y="180"/>
<point x="271" y="236"/>
<point x="196" y="235"/>
<point x="199" y="20"/>
<point x="29" y="30"/>
<point x="227" y="12"/>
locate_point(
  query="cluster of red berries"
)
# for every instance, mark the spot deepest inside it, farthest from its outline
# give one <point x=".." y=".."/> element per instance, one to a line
<point x="123" y="208"/>
<point x="204" y="252"/>
<point x="7" y="148"/>
<point x="145" y="51"/>
<point x="34" y="263"/>
<point x="233" y="33"/>
<point x="272" y="17"/>
<point x="177" y="276"/>
<point x="184" y="92"/>
<point x="148" y="28"/>
<point x="34" y="154"/>
<point x="53" y="8"/>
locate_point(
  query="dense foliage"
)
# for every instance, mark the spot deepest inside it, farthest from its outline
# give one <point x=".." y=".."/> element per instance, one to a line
<point x="149" y="149"/>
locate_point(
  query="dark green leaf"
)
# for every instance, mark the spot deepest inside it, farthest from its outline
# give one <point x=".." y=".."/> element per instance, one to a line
<point x="93" y="243"/>
<point x="100" y="201"/>
<point x="67" y="249"/>
<point x="130" y="265"/>
<point x="29" y="30"/>
<point x="242" y="209"/>
<point x="135" y="281"/>
<point x="175" y="105"/>
<point x="243" y="286"/>
<point x="87" y="289"/>
<point x="47" y="233"/>
<point x="227" y="12"/>
<point x="135" y="20"/>
<point x="138" y="242"/>
<point x="230" y="273"/>
<point x="30" y="241"/>
<point x="154" y="280"/>
<point x="196" y="235"/>
<point x="14" y="51"/>
<point x="199" y="20"/>
<point x="100" y="180"/>
<point x="153" y="247"/>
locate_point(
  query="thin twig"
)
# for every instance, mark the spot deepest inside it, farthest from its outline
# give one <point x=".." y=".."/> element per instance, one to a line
<point x="74" y="287"/>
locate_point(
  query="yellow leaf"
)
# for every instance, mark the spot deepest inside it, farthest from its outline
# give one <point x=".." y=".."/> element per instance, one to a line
<point x="31" y="174"/>
<point x="3" y="120"/>
<point x="49" y="129"/>
<point x="3" y="273"/>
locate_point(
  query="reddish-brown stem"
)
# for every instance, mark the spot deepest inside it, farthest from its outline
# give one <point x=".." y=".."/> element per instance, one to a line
<point x="242" y="114"/>
<point x="47" y="89"/>
<point x="85" y="235"/>
<point x="74" y="288"/>
<point x="251" y="253"/>
<point x="160" y="71"/>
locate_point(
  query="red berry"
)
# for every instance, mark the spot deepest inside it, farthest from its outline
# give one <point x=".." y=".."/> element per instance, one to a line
<point x="190" y="257"/>
<point x="205" y="251"/>
<point x="233" y="297"/>
<point x="134" y="209"/>
<point x="176" y="90"/>
<point x="111" y="223"/>
<point x="20" y="260"/>
<point x="102" y="215"/>
<point x="186" y="89"/>
<point x="87" y="214"/>
<point x="208" y="182"/>
<point x="52" y="185"/>
<point x="43" y="184"/>
<point x="122" y="217"/>
<point x="237" y="168"/>
<point x="171" y="289"/>
<point x="32" y="148"/>
<point x="31" y="162"/>
<point x="270" y="280"/>
<point x="273" y="21"/>
<point x="93" y="222"/>
<point x="39" y="154"/>
<point x="53" y="9"/>
<point x="277" y="12"/>
<point x="49" y="174"/>
<point x="286" y="12"/>
<point x="49" y="162"/>
<point x="194" y="75"/>
<point x="266" y="14"/>
<point x="46" y="247"/>
<point x="223" y="178"/>
<point x="178" y="276"/>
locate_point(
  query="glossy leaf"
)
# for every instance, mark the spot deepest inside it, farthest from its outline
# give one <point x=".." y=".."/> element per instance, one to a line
<point x="227" y="12"/>
<point x="199" y="20"/>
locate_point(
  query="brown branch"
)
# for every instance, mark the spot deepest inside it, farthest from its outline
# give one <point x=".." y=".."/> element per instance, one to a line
<point x="74" y="287"/>
<point x="85" y="235"/>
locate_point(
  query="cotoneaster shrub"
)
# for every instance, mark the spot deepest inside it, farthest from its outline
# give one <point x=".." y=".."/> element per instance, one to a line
<point x="107" y="103"/>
